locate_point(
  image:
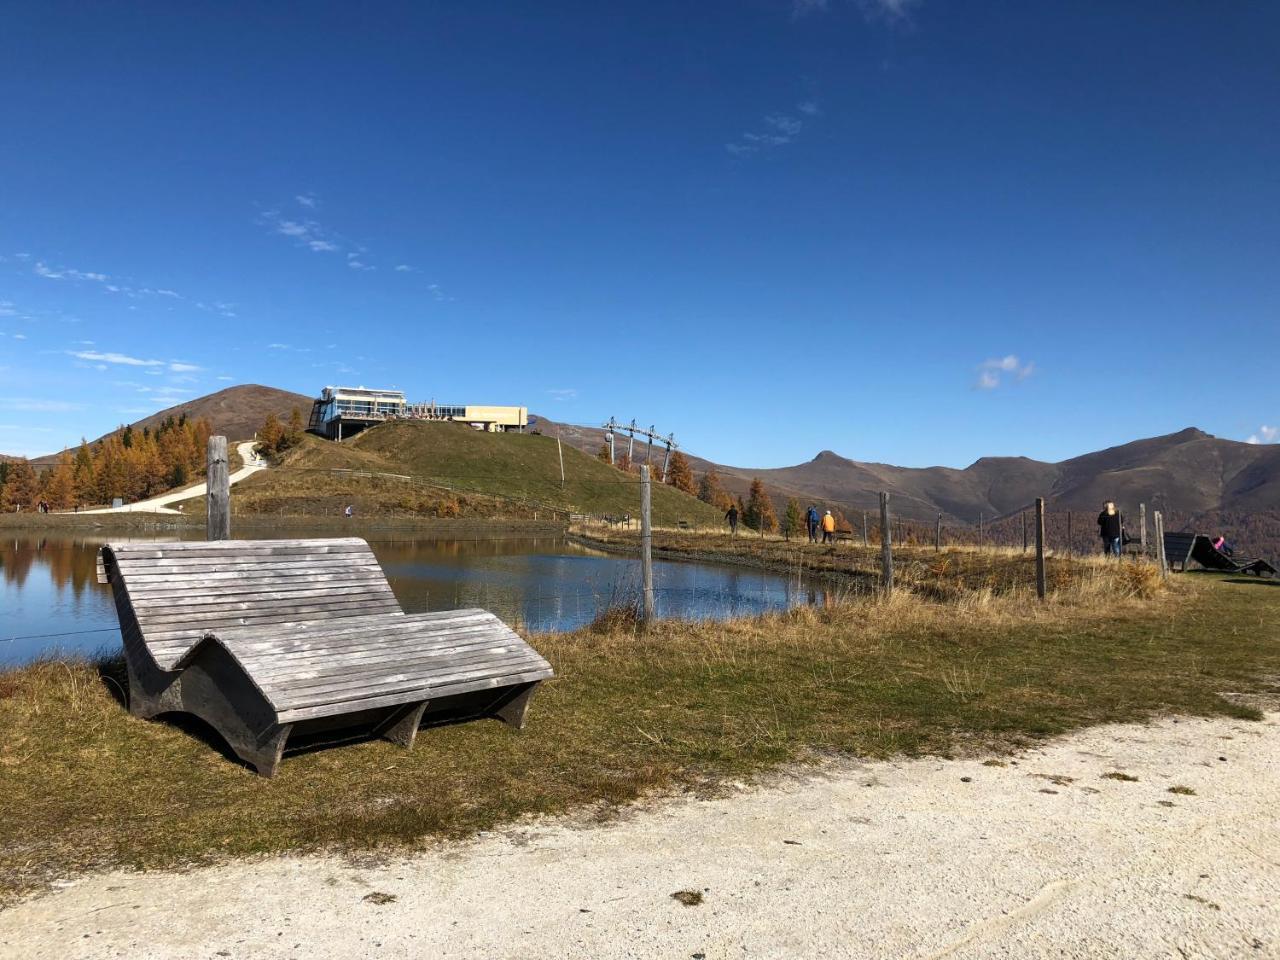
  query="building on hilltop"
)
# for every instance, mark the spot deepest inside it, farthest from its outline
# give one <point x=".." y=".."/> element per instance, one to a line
<point x="341" y="412"/>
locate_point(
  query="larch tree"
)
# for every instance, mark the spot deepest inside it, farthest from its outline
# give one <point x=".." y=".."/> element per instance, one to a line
<point x="21" y="487"/>
<point x="759" y="513"/>
<point x="711" y="491"/>
<point x="60" y="483"/>
<point x="680" y="474"/>
<point x="271" y="433"/>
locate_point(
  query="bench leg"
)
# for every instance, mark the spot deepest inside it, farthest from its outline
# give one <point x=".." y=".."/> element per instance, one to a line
<point x="264" y="756"/>
<point x="514" y="707"/>
<point x="402" y="726"/>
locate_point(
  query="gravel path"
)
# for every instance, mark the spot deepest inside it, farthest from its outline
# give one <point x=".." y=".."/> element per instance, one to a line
<point x="1043" y="857"/>
<point x="248" y="456"/>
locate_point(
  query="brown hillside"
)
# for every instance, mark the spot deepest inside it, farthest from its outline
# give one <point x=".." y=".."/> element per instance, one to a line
<point x="237" y="412"/>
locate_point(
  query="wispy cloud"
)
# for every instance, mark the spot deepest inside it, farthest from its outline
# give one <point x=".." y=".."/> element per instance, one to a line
<point x="307" y="200"/>
<point x="355" y="263"/>
<point x="998" y="370"/>
<point x="304" y="231"/>
<point x="42" y="269"/>
<point x="288" y="347"/>
<point x="94" y="356"/>
<point x="223" y="377"/>
<point x="37" y="405"/>
<point x="775" y="130"/>
<point x="404" y="268"/>
<point x="890" y="10"/>
<point x="1265" y="434"/>
<point x="101" y="358"/>
<point x="564" y="393"/>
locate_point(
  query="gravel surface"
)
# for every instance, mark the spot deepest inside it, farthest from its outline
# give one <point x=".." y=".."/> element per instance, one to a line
<point x="1052" y="854"/>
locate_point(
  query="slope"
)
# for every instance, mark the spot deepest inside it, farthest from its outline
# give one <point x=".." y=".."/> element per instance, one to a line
<point x="517" y="468"/>
<point x="237" y="412"/>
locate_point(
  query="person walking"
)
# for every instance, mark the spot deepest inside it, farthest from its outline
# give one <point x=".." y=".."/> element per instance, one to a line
<point x="732" y="517"/>
<point x="811" y="521"/>
<point x="828" y="528"/>
<point x="1111" y="529"/>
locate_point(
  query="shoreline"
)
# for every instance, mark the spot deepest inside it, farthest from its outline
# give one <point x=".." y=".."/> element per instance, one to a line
<point x="443" y="528"/>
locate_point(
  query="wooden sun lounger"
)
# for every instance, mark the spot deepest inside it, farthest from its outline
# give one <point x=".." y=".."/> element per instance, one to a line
<point x="270" y="639"/>
<point x="1181" y="548"/>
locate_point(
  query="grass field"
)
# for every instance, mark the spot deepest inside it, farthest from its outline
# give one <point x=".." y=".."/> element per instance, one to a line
<point x="457" y="472"/>
<point x="632" y="713"/>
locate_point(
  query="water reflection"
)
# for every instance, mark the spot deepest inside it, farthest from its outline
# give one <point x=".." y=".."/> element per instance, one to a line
<point x="51" y="602"/>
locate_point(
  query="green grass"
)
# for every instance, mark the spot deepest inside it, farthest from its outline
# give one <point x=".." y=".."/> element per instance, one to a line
<point x="632" y="713"/>
<point x="460" y="472"/>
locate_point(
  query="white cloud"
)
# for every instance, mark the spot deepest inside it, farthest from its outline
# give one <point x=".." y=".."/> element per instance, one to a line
<point x="34" y="405"/>
<point x="993" y="372"/>
<point x="404" y="268"/>
<point x="1265" y="434"/>
<point x="307" y="200"/>
<point x="307" y="233"/>
<point x="777" y="130"/>
<point x="567" y="393"/>
<point x="178" y="366"/>
<point x="225" y="378"/>
<point x="322" y="246"/>
<point x="120" y="358"/>
<point x="41" y="269"/>
<point x="19" y="336"/>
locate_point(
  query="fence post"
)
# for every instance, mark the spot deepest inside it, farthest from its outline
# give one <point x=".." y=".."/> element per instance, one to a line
<point x="865" y="541"/>
<point x="886" y="548"/>
<point x="1024" y="531"/>
<point x="980" y="522"/>
<point x="1160" y="555"/>
<point x="1142" y="528"/>
<point x="646" y="544"/>
<point x="937" y="536"/>
<point x="560" y="451"/>
<point x="218" y="483"/>
<point x="1040" y="591"/>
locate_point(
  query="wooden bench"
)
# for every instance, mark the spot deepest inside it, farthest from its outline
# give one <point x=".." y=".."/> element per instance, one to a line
<point x="270" y="639"/>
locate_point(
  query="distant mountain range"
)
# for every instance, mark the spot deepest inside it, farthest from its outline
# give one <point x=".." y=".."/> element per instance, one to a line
<point x="1189" y="472"/>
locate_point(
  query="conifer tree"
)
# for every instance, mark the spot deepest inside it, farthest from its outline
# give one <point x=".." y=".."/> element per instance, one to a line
<point x="680" y="474"/>
<point x="271" y="433"/>
<point x="60" y="483"/>
<point x="21" y="487"/>
<point x="759" y="513"/>
<point x="792" y="519"/>
<point x="710" y="491"/>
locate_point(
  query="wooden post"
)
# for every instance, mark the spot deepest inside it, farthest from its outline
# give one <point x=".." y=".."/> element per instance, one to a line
<point x="937" y="536"/>
<point x="560" y="451"/>
<point x="1069" y="547"/>
<point x="866" y="542"/>
<point x="1024" y="531"/>
<point x="886" y="548"/>
<point x="1160" y="555"/>
<point x="1040" y="587"/>
<point x="1142" y="528"/>
<point x="980" y="519"/>
<point x="646" y="544"/>
<point x="218" y="481"/>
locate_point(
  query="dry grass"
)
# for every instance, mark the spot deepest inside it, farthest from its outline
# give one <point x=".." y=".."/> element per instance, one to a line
<point x="634" y="712"/>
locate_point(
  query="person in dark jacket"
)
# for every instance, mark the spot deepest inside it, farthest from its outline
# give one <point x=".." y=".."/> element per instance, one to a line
<point x="732" y="517"/>
<point x="1111" y="529"/>
<point x="811" y="521"/>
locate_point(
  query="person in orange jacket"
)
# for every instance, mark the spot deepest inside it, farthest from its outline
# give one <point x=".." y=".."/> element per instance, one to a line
<point x="828" y="527"/>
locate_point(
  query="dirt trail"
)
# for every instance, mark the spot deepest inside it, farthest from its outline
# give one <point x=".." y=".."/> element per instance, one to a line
<point x="1043" y="857"/>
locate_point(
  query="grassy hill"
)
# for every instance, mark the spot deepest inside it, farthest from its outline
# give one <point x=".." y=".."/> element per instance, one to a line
<point x="456" y="471"/>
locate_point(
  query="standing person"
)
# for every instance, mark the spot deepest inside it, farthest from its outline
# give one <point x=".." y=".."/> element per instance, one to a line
<point x="732" y="517"/>
<point x="828" y="528"/>
<point x="811" y="521"/>
<point x="1111" y="529"/>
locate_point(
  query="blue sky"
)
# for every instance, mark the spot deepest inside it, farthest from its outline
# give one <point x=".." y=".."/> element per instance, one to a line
<point x="912" y="232"/>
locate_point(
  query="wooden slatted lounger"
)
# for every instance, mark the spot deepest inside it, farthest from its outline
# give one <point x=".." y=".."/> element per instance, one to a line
<point x="268" y="639"/>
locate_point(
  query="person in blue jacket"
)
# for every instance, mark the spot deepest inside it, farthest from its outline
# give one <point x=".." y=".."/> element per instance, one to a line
<point x="811" y="520"/>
